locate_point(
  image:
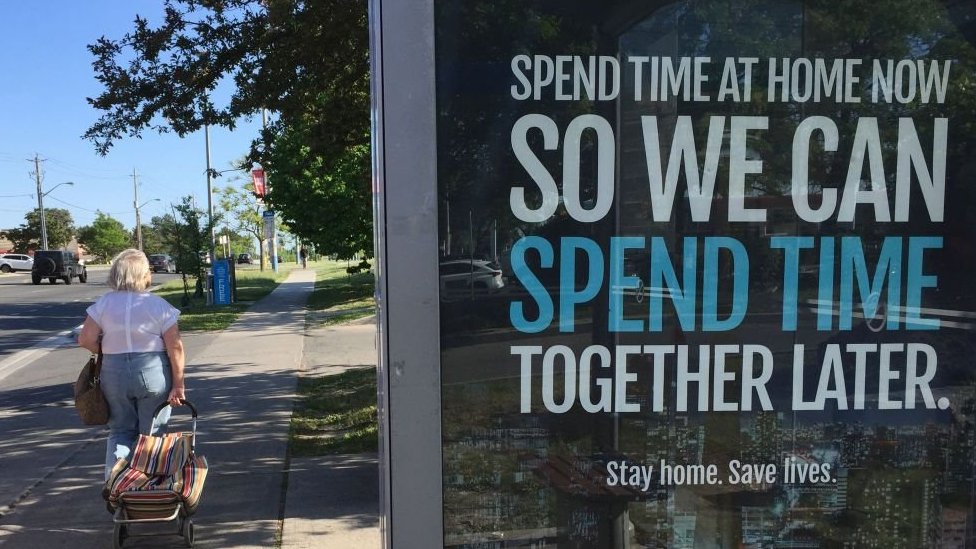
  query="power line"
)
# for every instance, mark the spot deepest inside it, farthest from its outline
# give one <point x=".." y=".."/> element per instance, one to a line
<point x="85" y="209"/>
<point x="87" y="172"/>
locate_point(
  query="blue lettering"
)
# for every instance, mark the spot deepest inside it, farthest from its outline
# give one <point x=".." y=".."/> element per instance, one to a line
<point x="853" y="264"/>
<point x="917" y="281"/>
<point x="791" y="246"/>
<point x="569" y="298"/>
<point x="740" y="284"/>
<point x="531" y="283"/>
<point x="825" y="289"/>
<point x="662" y="275"/>
<point x="619" y="282"/>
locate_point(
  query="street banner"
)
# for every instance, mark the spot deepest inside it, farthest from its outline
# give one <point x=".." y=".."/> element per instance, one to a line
<point x="706" y="274"/>
<point x="257" y="176"/>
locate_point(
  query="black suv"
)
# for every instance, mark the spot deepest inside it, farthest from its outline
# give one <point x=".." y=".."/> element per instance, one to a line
<point x="55" y="264"/>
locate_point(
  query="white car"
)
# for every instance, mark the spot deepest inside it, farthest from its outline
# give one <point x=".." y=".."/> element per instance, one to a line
<point x="15" y="262"/>
<point x="462" y="277"/>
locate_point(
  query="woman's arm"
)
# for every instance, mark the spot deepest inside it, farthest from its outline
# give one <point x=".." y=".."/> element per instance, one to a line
<point x="177" y="360"/>
<point x="88" y="337"/>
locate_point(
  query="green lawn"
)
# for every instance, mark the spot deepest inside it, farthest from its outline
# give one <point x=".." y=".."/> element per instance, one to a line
<point x="335" y="414"/>
<point x="340" y="297"/>
<point x="252" y="285"/>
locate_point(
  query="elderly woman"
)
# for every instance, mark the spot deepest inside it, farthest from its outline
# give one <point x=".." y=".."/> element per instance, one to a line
<point x="142" y="350"/>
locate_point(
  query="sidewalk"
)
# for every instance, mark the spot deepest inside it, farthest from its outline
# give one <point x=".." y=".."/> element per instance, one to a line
<point x="243" y="384"/>
<point x="333" y="501"/>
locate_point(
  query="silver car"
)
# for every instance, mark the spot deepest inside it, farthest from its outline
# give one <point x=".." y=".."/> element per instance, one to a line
<point x="15" y="262"/>
<point x="469" y="278"/>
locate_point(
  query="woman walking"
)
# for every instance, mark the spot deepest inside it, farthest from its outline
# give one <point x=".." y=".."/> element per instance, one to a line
<point x="143" y="353"/>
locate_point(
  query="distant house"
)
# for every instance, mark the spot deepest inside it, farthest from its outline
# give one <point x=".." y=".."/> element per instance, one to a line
<point x="6" y="246"/>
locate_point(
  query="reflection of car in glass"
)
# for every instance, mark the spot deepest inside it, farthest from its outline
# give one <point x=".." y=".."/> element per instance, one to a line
<point x="465" y="276"/>
<point x="15" y="262"/>
<point x="162" y="262"/>
<point x="244" y="259"/>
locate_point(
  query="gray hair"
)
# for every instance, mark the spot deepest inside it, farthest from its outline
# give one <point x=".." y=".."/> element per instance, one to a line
<point x="129" y="271"/>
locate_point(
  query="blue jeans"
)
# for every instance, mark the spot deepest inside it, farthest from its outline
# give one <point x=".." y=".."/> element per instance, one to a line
<point x="134" y="385"/>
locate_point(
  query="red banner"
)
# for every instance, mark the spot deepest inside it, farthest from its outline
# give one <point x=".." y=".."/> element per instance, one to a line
<point x="257" y="175"/>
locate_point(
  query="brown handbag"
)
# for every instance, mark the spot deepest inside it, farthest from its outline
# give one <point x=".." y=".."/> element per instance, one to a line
<point x="89" y="400"/>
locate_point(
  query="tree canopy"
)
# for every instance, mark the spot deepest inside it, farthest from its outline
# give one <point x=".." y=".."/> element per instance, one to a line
<point x="152" y="236"/>
<point x="60" y="229"/>
<point x="306" y="62"/>
<point x="242" y="214"/>
<point x="105" y="237"/>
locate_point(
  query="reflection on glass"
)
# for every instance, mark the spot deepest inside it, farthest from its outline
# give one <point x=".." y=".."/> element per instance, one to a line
<point x="743" y="318"/>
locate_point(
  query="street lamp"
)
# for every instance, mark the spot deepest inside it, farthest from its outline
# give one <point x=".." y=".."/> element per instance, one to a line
<point x="139" y="222"/>
<point x="40" y="206"/>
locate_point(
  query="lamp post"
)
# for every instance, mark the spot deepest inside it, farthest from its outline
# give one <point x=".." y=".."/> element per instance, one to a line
<point x="139" y="222"/>
<point x="40" y="206"/>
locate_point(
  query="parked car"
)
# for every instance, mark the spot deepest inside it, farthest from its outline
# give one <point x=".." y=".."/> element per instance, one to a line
<point x="162" y="262"/>
<point x="55" y="264"/>
<point x="465" y="277"/>
<point x="244" y="259"/>
<point x="15" y="262"/>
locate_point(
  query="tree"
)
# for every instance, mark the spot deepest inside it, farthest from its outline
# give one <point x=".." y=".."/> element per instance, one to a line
<point x="243" y="214"/>
<point x="60" y="229"/>
<point x="152" y="238"/>
<point x="185" y="234"/>
<point x="22" y="238"/>
<point x="324" y="202"/>
<point x="237" y="243"/>
<point x="105" y="237"/>
<point x="305" y="61"/>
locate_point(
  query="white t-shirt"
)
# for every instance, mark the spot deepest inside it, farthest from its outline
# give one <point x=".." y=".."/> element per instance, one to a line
<point x="132" y="322"/>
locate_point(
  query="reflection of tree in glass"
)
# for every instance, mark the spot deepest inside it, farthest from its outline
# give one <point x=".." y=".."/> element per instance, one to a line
<point x="477" y="171"/>
<point x="487" y="465"/>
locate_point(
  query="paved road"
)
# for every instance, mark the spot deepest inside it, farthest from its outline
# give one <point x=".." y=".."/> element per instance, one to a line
<point x="31" y="314"/>
<point x="34" y="394"/>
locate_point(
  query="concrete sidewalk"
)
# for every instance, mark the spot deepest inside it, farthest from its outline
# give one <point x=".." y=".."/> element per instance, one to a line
<point x="333" y="501"/>
<point x="243" y="384"/>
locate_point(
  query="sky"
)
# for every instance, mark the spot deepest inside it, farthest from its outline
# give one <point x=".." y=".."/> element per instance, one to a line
<point x="46" y="77"/>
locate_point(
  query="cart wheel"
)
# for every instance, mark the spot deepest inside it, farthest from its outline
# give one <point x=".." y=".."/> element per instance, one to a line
<point x="121" y="532"/>
<point x="187" y="531"/>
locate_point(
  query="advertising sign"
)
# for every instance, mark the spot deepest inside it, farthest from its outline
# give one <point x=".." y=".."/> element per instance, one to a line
<point x="705" y="273"/>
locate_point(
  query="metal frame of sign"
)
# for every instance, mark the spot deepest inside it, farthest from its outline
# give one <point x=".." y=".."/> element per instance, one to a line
<point x="405" y="213"/>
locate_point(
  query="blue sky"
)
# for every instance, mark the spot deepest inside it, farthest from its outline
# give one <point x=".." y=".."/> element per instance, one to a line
<point x="46" y="74"/>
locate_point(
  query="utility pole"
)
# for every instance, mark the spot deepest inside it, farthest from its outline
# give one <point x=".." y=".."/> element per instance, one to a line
<point x="210" y="210"/>
<point x="135" y="204"/>
<point x="273" y="244"/>
<point x="40" y="201"/>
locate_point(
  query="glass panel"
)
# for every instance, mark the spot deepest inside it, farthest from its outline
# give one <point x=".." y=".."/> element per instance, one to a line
<point x="736" y="250"/>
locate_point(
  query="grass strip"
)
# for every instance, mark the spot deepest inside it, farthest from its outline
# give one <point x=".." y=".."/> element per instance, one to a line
<point x="197" y="316"/>
<point x="340" y="297"/>
<point x="335" y="414"/>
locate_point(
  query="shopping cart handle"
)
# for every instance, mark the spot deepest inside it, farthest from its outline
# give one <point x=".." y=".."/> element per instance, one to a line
<point x="193" y="409"/>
